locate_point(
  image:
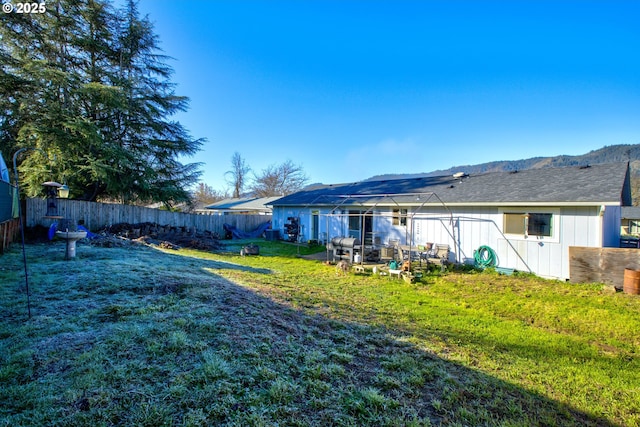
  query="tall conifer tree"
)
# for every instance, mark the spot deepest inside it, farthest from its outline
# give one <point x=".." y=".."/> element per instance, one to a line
<point x="86" y="83"/>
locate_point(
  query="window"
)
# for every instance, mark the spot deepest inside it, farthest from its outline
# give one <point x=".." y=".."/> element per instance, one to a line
<point x="539" y="224"/>
<point x="528" y="223"/>
<point x="354" y="220"/>
<point x="634" y="226"/>
<point x="514" y="223"/>
<point x="400" y="217"/>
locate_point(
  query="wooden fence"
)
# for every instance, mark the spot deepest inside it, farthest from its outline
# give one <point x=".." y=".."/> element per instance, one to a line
<point x="9" y="227"/>
<point x="96" y="216"/>
<point x="601" y="265"/>
<point x="9" y="231"/>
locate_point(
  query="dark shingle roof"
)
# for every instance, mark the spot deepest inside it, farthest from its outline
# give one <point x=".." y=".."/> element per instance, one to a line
<point x="598" y="184"/>
<point x="240" y="204"/>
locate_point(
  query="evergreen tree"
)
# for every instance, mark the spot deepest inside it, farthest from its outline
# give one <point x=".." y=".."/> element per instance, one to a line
<point x="151" y="142"/>
<point x="85" y="83"/>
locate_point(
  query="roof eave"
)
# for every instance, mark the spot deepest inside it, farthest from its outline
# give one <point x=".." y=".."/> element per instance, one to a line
<point x="465" y="204"/>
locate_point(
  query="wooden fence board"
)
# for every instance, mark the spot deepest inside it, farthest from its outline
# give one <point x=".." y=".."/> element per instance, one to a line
<point x="601" y="265"/>
<point x="8" y="233"/>
<point x="97" y="216"/>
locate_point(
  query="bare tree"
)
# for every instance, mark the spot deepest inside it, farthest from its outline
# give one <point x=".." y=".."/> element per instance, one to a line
<point x="237" y="176"/>
<point x="279" y="180"/>
<point x="204" y="195"/>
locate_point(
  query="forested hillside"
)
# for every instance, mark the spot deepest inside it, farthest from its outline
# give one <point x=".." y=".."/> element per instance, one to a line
<point x="608" y="154"/>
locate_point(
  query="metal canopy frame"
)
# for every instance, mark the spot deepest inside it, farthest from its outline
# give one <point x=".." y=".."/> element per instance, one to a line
<point x="423" y="197"/>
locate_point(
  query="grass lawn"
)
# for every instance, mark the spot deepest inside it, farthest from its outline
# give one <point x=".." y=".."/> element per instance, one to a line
<point x="139" y="336"/>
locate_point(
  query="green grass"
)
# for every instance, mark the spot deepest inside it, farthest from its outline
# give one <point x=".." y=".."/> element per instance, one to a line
<point x="138" y="336"/>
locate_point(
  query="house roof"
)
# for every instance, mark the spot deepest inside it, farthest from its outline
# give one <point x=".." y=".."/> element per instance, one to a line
<point x="604" y="184"/>
<point x="631" y="212"/>
<point x="243" y="204"/>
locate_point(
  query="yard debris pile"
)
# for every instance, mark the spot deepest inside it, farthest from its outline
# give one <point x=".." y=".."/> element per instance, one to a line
<point x="167" y="237"/>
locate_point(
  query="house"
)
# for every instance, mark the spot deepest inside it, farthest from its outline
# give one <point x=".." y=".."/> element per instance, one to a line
<point x="630" y="227"/>
<point x="529" y="218"/>
<point x="242" y="205"/>
<point x="631" y="221"/>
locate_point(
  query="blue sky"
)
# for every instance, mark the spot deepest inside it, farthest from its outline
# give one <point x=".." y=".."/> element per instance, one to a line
<point x="352" y="89"/>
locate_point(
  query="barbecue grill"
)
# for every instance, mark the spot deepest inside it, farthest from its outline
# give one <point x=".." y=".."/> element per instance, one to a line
<point x="343" y="247"/>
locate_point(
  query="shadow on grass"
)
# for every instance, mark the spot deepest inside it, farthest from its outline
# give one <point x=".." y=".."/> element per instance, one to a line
<point x="217" y="353"/>
<point x="221" y="265"/>
<point x="87" y="253"/>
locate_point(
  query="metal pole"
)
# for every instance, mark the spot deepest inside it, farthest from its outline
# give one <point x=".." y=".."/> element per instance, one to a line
<point x="20" y="216"/>
<point x="24" y="254"/>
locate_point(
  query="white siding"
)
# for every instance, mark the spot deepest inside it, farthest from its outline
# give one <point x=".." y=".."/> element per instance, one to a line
<point x="577" y="226"/>
<point x="467" y="228"/>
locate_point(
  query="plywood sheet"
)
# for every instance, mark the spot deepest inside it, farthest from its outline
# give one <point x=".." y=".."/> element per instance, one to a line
<point x="601" y="265"/>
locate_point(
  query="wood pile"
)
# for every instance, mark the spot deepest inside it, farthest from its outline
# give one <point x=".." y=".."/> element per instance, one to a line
<point x="167" y="237"/>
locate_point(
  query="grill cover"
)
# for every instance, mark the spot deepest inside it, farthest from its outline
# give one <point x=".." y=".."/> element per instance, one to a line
<point x="345" y="242"/>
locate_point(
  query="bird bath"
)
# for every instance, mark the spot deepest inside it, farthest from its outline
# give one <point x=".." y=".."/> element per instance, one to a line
<point x="71" y="237"/>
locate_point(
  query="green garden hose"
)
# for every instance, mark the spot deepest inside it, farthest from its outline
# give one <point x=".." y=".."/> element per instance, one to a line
<point x="485" y="257"/>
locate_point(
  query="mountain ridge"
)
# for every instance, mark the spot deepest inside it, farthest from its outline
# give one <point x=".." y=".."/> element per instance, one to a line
<point x="607" y="154"/>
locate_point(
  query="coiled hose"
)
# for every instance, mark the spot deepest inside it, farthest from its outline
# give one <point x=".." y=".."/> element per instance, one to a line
<point x="485" y="257"/>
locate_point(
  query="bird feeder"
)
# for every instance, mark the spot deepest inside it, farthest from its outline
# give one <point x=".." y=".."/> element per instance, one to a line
<point x="63" y="191"/>
<point x="66" y="231"/>
<point x="52" y="189"/>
